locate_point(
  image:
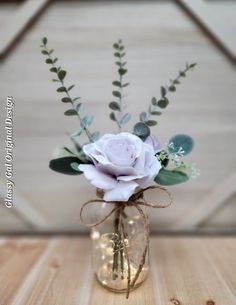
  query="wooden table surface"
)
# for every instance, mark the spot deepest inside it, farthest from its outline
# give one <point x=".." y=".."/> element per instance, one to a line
<point x="57" y="271"/>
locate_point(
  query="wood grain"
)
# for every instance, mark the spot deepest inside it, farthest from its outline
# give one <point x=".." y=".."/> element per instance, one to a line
<point x="17" y="23"/>
<point x="218" y="19"/>
<point x="57" y="271"/>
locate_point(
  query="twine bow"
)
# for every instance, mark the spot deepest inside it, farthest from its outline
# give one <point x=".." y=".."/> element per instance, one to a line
<point x="136" y="201"/>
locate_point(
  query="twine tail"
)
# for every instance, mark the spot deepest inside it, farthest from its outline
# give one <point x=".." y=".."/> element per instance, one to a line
<point x="123" y="235"/>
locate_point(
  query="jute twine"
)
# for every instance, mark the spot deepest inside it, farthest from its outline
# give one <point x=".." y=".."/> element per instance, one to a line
<point x="136" y="201"/>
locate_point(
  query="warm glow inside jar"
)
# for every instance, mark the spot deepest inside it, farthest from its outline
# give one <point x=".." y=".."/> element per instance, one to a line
<point x="109" y="254"/>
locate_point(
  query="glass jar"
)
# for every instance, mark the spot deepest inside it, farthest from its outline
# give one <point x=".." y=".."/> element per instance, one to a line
<point x="114" y="257"/>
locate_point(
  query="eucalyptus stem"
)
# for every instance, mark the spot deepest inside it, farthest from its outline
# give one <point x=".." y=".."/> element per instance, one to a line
<point x="141" y="129"/>
<point x="118" y="106"/>
<point x="61" y="75"/>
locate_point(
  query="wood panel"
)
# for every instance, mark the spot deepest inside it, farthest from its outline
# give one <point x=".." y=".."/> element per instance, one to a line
<point x="58" y="271"/>
<point x="160" y="38"/>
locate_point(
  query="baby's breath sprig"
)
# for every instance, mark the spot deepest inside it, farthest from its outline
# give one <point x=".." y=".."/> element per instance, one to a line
<point x="145" y="120"/>
<point x="120" y="117"/>
<point x="76" y="108"/>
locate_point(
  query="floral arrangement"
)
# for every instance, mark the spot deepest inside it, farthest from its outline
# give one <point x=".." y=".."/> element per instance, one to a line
<point x="122" y="164"/>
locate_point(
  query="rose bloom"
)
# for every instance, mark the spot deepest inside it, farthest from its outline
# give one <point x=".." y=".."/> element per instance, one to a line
<point x="121" y="163"/>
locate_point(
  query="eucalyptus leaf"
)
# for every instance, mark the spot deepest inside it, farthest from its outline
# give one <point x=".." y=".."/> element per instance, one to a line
<point x="113" y="116"/>
<point x="63" y="165"/>
<point x="122" y="71"/>
<point x="141" y="130"/>
<point x="163" y="91"/>
<point x="181" y="141"/>
<point x="125" y="119"/>
<point x="167" y="177"/>
<point x="87" y="120"/>
<point x="114" y="106"/>
<point x="53" y="69"/>
<point x="116" y="46"/>
<point x="77" y="133"/>
<point x="62" y="89"/>
<point x="116" y="83"/>
<point x="44" y="40"/>
<point x="154" y="101"/>
<point x="61" y="74"/>
<point x="162" y="103"/>
<point x="70" y="112"/>
<point x="79" y="107"/>
<point x="66" y="100"/>
<point x="151" y="123"/>
<point x="116" y="94"/>
<point x="71" y="87"/>
<point x="48" y="61"/>
<point x="143" y="117"/>
<point x="95" y="136"/>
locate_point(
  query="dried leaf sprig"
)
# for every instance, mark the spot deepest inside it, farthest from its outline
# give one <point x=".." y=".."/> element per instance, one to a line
<point x="118" y="106"/>
<point x="76" y="107"/>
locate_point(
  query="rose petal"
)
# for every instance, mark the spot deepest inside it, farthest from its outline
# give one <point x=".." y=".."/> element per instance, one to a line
<point x="121" y="192"/>
<point x="97" y="178"/>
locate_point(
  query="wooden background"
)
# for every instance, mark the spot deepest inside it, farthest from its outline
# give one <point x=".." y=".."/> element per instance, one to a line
<point x="160" y="37"/>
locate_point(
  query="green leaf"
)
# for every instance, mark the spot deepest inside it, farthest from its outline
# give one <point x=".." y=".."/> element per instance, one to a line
<point x="114" y="106"/>
<point x="172" y="88"/>
<point x="143" y="117"/>
<point x="63" y="165"/>
<point x="151" y="123"/>
<point x="61" y="74"/>
<point x="48" y="61"/>
<point x="154" y="101"/>
<point x="77" y="133"/>
<point x="95" y="136"/>
<point x="192" y="65"/>
<point x="79" y="107"/>
<point x="125" y="119"/>
<point x="71" y="87"/>
<point x="163" y="103"/>
<point x="125" y="85"/>
<point x="141" y="130"/>
<point x="116" y="83"/>
<point x="167" y="177"/>
<point x="181" y="141"/>
<point x="70" y="112"/>
<point x="87" y="120"/>
<point x="122" y="54"/>
<point x="76" y="98"/>
<point x="117" y="54"/>
<point x="66" y="100"/>
<point x="116" y="94"/>
<point x="53" y="69"/>
<point x="44" y="52"/>
<point x="113" y="116"/>
<point x="44" y="40"/>
<point x="122" y="71"/>
<point x="62" y="89"/>
<point x="116" y="46"/>
<point x="163" y="91"/>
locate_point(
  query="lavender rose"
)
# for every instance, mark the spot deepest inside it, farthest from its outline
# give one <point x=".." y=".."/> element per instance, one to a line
<point x="121" y="163"/>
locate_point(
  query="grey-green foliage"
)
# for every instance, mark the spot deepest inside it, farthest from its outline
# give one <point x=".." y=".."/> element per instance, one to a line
<point x="76" y="108"/>
<point x="117" y="106"/>
<point x="181" y="143"/>
<point x="170" y="177"/>
<point x="156" y="105"/>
